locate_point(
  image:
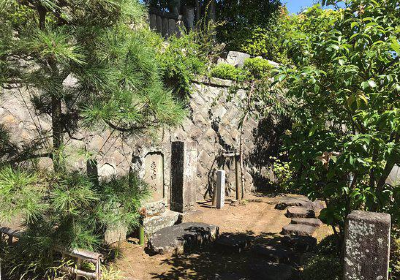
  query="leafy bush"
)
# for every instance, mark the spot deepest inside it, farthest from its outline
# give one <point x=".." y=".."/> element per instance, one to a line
<point x="181" y="59"/>
<point x="284" y="174"/>
<point x="345" y="137"/>
<point x="322" y="267"/>
<point x="228" y="72"/>
<point x="257" y="68"/>
<point x="325" y="261"/>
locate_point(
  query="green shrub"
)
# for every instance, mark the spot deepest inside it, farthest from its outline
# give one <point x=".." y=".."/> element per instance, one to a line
<point x="325" y="263"/>
<point x="68" y="210"/>
<point x="284" y="174"/>
<point x="181" y="59"/>
<point x="257" y="67"/>
<point x="322" y="267"/>
<point x="228" y="72"/>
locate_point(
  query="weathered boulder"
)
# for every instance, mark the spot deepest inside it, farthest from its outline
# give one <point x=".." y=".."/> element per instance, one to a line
<point x="299" y="229"/>
<point x="236" y="58"/>
<point x="300" y="212"/>
<point x="177" y="238"/>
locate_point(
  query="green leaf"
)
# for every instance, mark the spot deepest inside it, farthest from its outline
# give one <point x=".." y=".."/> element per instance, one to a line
<point x="353" y="24"/>
<point x="395" y="45"/>
<point x="372" y="83"/>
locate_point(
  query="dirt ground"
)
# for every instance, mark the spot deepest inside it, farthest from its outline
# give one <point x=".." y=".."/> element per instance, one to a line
<point x="257" y="217"/>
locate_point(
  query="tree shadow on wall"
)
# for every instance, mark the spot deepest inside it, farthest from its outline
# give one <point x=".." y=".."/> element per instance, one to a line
<point x="10" y="153"/>
<point x="217" y="163"/>
<point x="268" y="140"/>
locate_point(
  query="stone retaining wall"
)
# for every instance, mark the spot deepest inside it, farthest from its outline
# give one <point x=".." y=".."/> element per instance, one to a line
<point x="212" y="122"/>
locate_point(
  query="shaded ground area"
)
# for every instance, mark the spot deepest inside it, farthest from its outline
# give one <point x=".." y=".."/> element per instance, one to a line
<point x="257" y="219"/>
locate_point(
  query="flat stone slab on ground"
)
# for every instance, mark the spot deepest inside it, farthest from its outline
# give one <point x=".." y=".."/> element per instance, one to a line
<point x="293" y="201"/>
<point x="298" y="229"/>
<point x="271" y="271"/>
<point x="307" y="221"/>
<point x="276" y="253"/>
<point x="300" y="212"/>
<point x="179" y="237"/>
<point x="234" y="242"/>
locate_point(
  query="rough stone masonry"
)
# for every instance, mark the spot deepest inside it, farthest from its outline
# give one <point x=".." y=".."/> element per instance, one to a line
<point x="367" y="241"/>
<point x="212" y="123"/>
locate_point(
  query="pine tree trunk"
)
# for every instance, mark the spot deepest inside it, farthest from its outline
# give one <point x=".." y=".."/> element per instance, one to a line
<point x="57" y="132"/>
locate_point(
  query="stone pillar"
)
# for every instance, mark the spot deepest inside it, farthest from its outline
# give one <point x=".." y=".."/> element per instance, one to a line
<point x="367" y="241"/>
<point x="183" y="176"/>
<point x="220" y="189"/>
<point x="153" y="22"/>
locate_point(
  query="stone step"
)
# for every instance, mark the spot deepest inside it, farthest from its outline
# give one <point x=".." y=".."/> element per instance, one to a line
<point x="307" y="221"/>
<point x="155" y="223"/>
<point x="289" y="201"/>
<point x="300" y="212"/>
<point x="234" y="243"/>
<point x="271" y="271"/>
<point x="300" y="243"/>
<point x="178" y="238"/>
<point x="298" y="229"/>
<point x="276" y="253"/>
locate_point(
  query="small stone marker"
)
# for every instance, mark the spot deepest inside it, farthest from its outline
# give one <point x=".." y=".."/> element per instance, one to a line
<point x="183" y="176"/>
<point x="367" y="241"/>
<point x="220" y="189"/>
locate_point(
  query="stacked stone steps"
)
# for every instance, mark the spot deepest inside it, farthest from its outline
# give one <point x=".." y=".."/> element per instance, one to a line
<point x="302" y="211"/>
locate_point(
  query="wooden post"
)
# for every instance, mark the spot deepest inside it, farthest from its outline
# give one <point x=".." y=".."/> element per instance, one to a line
<point x="237" y="177"/>
<point x="141" y="234"/>
<point x="78" y="267"/>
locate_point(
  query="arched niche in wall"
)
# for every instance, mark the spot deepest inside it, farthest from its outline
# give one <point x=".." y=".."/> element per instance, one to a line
<point x="154" y="174"/>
